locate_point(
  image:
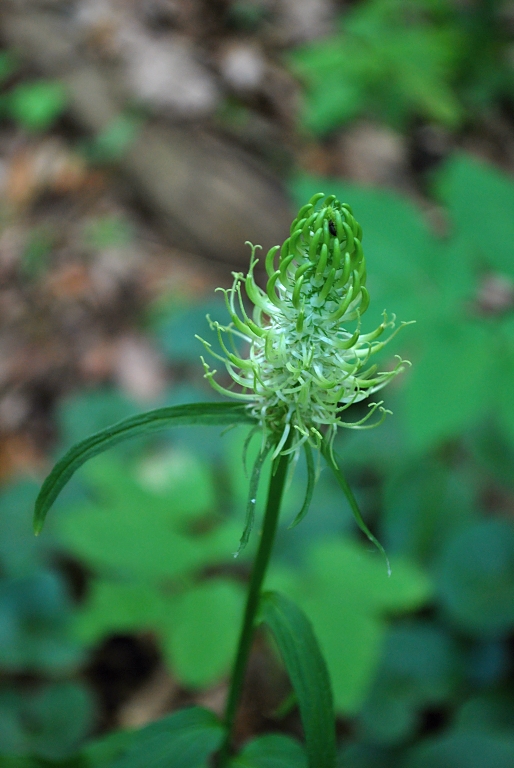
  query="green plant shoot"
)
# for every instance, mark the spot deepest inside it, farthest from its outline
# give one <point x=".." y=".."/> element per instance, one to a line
<point x="306" y="363"/>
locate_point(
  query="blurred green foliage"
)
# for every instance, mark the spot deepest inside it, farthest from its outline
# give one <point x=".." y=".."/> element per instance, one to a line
<point x="421" y="662"/>
<point x="7" y="65"/>
<point x="35" y="257"/>
<point x="112" y="142"/>
<point x="396" y="60"/>
<point x="342" y="589"/>
<point x="460" y="290"/>
<point x="148" y="556"/>
<point x="108" y="231"/>
<point x="189" y="736"/>
<point x="442" y="467"/>
<point x="35" y="105"/>
<point x="273" y="751"/>
<point x="50" y="713"/>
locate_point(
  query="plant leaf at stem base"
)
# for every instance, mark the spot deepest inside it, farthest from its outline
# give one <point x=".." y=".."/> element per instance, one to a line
<point x="311" y="483"/>
<point x="308" y="673"/>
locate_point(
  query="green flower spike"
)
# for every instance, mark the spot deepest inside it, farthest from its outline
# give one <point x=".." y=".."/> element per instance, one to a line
<point x="304" y="367"/>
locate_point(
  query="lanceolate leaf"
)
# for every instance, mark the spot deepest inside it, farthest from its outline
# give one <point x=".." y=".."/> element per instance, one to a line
<point x="151" y="421"/>
<point x="252" y="496"/>
<point x="186" y="739"/>
<point x="308" y="673"/>
<point x="311" y="482"/>
<point x="329" y="456"/>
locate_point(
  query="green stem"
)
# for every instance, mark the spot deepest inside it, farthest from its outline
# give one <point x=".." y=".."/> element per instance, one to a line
<point x="275" y="491"/>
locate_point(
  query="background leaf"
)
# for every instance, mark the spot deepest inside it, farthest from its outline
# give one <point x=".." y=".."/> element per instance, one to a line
<point x="34" y="622"/>
<point x="450" y="385"/>
<point x="390" y="58"/>
<point x="134" y="528"/>
<point x="37" y="105"/>
<point x="480" y="199"/>
<point x="476" y="577"/>
<point x="149" y="552"/>
<point x="273" y="751"/>
<point x="203" y="631"/>
<point x="419" y="671"/>
<point x="468" y="750"/>
<point x="186" y="739"/>
<point x="346" y="593"/>
<point x="50" y="722"/>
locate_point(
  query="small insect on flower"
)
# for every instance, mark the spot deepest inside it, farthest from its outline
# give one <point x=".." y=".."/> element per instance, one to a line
<point x="307" y="360"/>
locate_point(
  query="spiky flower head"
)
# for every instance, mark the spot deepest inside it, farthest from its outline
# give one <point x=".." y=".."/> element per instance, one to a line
<point x="306" y="359"/>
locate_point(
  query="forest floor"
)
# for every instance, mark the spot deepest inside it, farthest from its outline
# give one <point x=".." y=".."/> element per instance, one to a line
<point x="84" y="258"/>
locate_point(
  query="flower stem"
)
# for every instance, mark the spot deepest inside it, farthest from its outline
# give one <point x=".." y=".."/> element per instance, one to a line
<point x="275" y="491"/>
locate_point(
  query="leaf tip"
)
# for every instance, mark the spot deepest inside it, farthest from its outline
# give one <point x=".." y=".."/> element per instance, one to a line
<point x="38" y="520"/>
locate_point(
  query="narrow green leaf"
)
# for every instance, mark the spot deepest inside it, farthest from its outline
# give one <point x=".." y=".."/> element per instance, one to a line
<point x="307" y="670"/>
<point x="252" y="496"/>
<point x="329" y="456"/>
<point x="346" y="593"/>
<point x="186" y="739"/>
<point x="311" y="482"/>
<point x="272" y="751"/>
<point x="150" y="421"/>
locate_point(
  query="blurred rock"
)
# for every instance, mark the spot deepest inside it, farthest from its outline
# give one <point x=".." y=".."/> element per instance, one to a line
<point x="242" y="66"/>
<point x="429" y="144"/>
<point x="209" y="196"/>
<point x="5" y="360"/>
<point x="167" y="75"/>
<point x="302" y="20"/>
<point x="113" y="266"/>
<point x="138" y="369"/>
<point x="161" y="15"/>
<point x="71" y="281"/>
<point x="3" y="176"/>
<point x="373" y="155"/>
<point x="14" y="408"/>
<point x="149" y="702"/>
<point x="12" y="240"/>
<point x="317" y="160"/>
<point x="213" y="698"/>
<point x="18" y="456"/>
<point x="99" y="22"/>
<point x="97" y="361"/>
<point x="496" y="295"/>
<point x="45" y="165"/>
<point x="283" y="93"/>
<point x="163" y="71"/>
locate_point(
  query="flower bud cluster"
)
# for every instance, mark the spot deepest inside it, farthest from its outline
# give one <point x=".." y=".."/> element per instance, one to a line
<point x="306" y="363"/>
